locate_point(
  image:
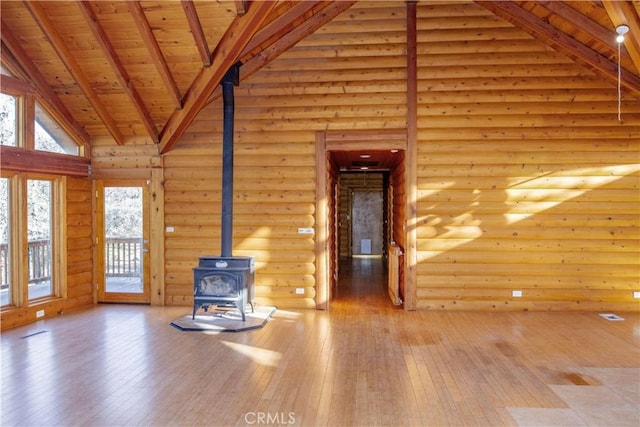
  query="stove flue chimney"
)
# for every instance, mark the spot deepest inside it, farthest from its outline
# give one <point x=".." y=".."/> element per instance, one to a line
<point x="230" y="79"/>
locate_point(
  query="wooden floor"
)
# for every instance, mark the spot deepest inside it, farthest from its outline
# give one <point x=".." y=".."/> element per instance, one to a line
<point x="365" y="362"/>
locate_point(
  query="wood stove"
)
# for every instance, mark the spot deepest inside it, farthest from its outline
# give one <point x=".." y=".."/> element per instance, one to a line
<point x="223" y="282"/>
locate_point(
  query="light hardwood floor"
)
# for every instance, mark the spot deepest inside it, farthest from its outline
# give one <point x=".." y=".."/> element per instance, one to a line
<point x="365" y="362"/>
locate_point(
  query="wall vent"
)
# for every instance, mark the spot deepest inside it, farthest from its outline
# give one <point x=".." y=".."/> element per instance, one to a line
<point x="611" y="316"/>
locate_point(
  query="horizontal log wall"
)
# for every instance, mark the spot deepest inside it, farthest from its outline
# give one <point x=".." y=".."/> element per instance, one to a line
<point x="339" y="78"/>
<point x="135" y="161"/>
<point x="80" y="280"/>
<point x="526" y="179"/>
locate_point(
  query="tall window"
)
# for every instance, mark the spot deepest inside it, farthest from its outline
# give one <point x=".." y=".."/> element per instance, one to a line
<point x="8" y="120"/>
<point x="5" y="276"/>
<point x="39" y="237"/>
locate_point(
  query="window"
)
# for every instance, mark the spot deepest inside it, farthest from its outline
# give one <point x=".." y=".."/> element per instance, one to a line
<point x="49" y="136"/>
<point x="5" y="276"/>
<point x="39" y="238"/>
<point x="4" y="71"/>
<point x="8" y="120"/>
<point x="29" y="231"/>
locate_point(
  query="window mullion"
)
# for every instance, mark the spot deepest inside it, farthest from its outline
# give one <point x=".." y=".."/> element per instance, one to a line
<point x="27" y="122"/>
<point x="18" y="238"/>
<point x="59" y="243"/>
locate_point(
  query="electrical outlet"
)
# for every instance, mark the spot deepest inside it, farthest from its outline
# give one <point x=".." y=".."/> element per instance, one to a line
<point x="40" y="313"/>
<point x="516" y="294"/>
<point x="636" y="294"/>
<point x="305" y="230"/>
<point x="170" y="229"/>
<point x="299" y="291"/>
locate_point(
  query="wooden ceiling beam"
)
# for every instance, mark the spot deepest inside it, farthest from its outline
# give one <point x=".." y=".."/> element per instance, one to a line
<point x="622" y="12"/>
<point x="579" y="20"/>
<point x="594" y="29"/>
<point x="142" y="23"/>
<point x="323" y="12"/>
<point x="65" y="55"/>
<point x="197" y="32"/>
<point x="26" y="70"/>
<point x="225" y="55"/>
<point x="118" y="68"/>
<point x="282" y="24"/>
<point x="563" y="43"/>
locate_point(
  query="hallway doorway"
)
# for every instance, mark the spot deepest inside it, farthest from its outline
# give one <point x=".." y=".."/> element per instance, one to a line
<point x="379" y="150"/>
<point x="338" y="153"/>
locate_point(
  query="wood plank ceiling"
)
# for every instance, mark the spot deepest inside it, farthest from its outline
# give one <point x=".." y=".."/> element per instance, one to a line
<point x="140" y="71"/>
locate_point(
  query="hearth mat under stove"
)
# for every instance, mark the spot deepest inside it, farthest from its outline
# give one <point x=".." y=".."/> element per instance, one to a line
<point x="224" y="320"/>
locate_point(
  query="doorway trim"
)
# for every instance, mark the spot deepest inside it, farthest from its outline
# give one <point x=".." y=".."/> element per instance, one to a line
<point x="379" y="139"/>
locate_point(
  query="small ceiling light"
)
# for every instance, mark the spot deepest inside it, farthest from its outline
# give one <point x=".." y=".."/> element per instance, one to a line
<point x="365" y="156"/>
<point x="394" y="151"/>
<point x="364" y="168"/>
<point x="621" y="30"/>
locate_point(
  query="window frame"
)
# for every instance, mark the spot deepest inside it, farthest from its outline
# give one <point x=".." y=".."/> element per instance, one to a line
<point x="19" y="241"/>
<point x="14" y="240"/>
<point x="56" y="234"/>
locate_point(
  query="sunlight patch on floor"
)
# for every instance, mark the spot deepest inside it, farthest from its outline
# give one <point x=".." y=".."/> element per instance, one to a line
<point x="259" y="355"/>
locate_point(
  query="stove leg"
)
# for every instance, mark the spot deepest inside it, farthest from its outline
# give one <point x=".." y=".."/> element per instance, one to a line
<point x="241" y="308"/>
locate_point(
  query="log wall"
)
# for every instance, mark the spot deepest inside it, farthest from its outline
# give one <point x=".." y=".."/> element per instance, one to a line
<point x="79" y="243"/>
<point x="336" y="79"/>
<point x="526" y="179"/>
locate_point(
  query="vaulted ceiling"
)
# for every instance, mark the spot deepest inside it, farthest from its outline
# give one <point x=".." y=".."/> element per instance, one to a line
<point x="140" y="71"/>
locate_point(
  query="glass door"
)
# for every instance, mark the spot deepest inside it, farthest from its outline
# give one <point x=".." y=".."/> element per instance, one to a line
<point x="123" y="242"/>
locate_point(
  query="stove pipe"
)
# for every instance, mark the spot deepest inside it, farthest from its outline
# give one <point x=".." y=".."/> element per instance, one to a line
<point x="228" y="81"/>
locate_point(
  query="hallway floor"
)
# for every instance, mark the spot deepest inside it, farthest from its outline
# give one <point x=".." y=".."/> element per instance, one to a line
<point x="364" y="362"/>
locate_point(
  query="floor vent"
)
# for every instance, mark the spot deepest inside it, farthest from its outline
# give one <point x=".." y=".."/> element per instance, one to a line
<point x="610" y="316"/>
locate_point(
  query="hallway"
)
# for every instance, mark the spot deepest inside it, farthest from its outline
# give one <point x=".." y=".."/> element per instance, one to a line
<point x="362" y="281"/>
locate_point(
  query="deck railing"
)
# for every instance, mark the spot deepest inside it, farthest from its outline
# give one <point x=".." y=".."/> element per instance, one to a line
<point x="123" y="259"/>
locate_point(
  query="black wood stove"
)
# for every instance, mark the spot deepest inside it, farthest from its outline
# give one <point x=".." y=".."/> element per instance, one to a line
<point x="223" y="282"/>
